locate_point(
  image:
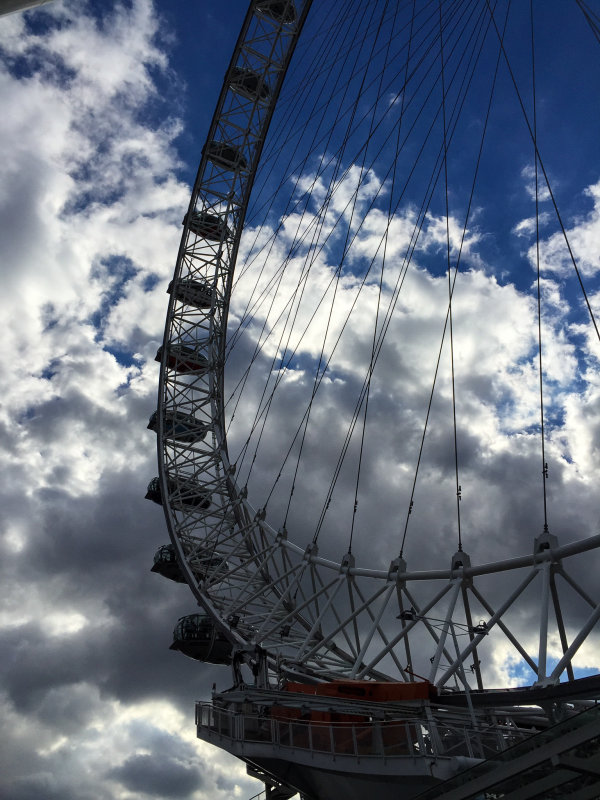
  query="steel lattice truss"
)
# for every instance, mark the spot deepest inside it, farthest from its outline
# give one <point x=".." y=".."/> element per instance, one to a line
<point x="313" y="616"/>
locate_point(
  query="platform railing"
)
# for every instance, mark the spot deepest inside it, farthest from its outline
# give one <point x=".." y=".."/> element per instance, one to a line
<point x="264" y="795"/>
<point x="378" y="738"/>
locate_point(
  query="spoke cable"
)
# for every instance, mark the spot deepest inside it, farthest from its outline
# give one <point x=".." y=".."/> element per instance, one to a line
<point x="538" y="277"/>
<point x="334" y="157"/>
<point x="318" y="376"/>
<point x="450" y="284"/>
<point x="412" y="170"/>
<point x="589" y="14"/>
<point x="464" y="231"/>
<point x="546" y="179"/>
<point x="464" y="95"/>
<point x="338" y="271"/>
<point x="408" y="258"/>
<point x="371" y="364"/>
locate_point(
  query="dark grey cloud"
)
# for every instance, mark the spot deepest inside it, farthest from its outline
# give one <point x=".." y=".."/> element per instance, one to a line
<point x="40" y="785"/>
<point x="158" y="775"/>
<point x="93" y="556"/>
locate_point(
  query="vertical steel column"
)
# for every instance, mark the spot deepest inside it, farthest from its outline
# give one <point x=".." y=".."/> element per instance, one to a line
<point x="543" y="648"/>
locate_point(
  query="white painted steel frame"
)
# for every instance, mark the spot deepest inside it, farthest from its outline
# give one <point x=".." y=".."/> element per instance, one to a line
<point x="314" y="617"/>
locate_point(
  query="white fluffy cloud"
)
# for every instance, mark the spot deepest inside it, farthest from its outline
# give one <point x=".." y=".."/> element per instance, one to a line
<point x="583" y="240"/>
<point x="91" y="201"/>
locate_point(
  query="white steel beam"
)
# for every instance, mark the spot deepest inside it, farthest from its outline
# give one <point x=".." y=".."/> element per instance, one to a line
<point x="445" y="629"/>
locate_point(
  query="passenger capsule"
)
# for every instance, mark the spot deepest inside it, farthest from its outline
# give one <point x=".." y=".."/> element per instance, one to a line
<point x="184" y="359"/>
<point x="166" y="564"/>
<point x="197" y="637"/>
<point x="193" y="293"/>
<point x="180" y="427"/>
<point x="153" y="492"/>
<point x="280" y="10"/>
<point x="184" y="493"/>
<point x="203" y="563"/>
<point x="209" y="226"/>
<point x="225" y="155"/>
<point x="248" y="83"/>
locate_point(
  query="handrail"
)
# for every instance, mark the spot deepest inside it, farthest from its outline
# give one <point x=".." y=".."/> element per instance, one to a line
<point x="413" y="737"/>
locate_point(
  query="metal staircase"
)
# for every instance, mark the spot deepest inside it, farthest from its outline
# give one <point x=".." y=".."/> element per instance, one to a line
<point x="562" y="761"/>
<point x="274" y="789"/>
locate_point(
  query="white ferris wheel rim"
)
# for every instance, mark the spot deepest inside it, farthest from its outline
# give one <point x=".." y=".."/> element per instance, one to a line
<point x="260" y="569"/>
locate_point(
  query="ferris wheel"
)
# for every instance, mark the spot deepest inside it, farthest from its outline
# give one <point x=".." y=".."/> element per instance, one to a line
<point x="362" y="306"/>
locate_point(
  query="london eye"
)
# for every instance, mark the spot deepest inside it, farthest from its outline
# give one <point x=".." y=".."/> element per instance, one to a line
<point x="380" y="352"/>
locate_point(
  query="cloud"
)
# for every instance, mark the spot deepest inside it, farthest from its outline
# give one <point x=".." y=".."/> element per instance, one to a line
<point x="91" y="202"/>
<point x="157" y="775"/>
<point x="582" y="237"/>
<point x="497" y="384"/>
<point x="527" y="227"/>
<point x="528" y="176"/>
<point x="560" y="252"/>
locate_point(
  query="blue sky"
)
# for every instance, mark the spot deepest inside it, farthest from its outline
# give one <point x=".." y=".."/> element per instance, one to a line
<point x="105" y="110"/>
